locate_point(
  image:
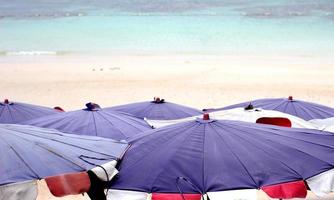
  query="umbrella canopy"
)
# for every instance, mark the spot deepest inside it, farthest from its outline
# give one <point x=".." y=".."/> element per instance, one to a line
<point x="203" y="156"/>
<point x="252" y="115"/>
<point x="29" y="153"/>
<point x="15" y="112"/>
<point x="241" y="114"/>
<point x="158" y="109"/>
<point x="94" y="121"/>
<point x="323" y="122"/>
<point x="301" y="109"/>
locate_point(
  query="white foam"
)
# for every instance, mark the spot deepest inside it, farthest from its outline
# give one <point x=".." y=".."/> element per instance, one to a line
<point x="31" y="53"/>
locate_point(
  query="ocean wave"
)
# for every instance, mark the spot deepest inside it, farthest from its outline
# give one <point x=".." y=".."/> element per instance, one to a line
<point x="31" y="53"/>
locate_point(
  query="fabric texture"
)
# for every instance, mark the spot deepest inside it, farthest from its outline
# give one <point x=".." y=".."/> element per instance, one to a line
<point x="240" y="114"/>
<point x="302" y="109"/>
<point x="127" y="195"/>
<point x="322" y="184"/>
<point x="68" y="184"/>
<point x="16" y="112"/>
<point x="157" y="111"/>
<point x="99" y="122"/>
<point x="296" y="189"/>
<point x="106" y="171"/>
<point x="168" y="196"/>
<point x="19" y="191"/>
<point x="248" y="194"/>
<point x="27" y="152"/>
<point x="278" y="121"/>
<point x="162" y="159"/>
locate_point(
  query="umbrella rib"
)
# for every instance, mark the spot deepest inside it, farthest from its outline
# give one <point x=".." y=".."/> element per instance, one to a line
<point x="162" y="170"/>
<point x="147" y="109"/>
<point x="26" y="164"/>
<point x="249" y="141"/>
<point x="283" y="135"/>
<point x="184" y="128"/>
<point x="60" y="155"/>
<point x="244" y="167"/>
<point x="203" y="160"/>
<point x="331" y="164"/>
<point x="171" y="110"/>
<point x="94" y="122"/>
<point x="294" y="109"/>
<point x="10" y="113"/>
<point x="278" y="105"/>
<point x="186" y="111"/>
<point x="125" y="121"/>
<point x="175" y="113"/>
<point x="56" y="140"/>
<point x="2" y="110"/>
<point x="324" y="110"/>
<point x="306" y="111"/>
<point x="113" y="124"/>
<point x="28" y="111"/>
<point x="17" y="154"/>
<point x="63" y="156"/>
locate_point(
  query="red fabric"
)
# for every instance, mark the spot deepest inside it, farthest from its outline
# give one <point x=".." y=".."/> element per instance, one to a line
<point x="68" y="184"/>
<point x="290" y="190"/>
<point x="167" y="196"/>
<point x="278" y="121"/>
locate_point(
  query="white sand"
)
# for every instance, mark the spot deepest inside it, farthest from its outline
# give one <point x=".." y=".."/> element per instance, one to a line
<point x="201" y="81"/>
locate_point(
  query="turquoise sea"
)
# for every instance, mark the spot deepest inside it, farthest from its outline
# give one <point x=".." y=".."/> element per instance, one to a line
<point x="292" y="27"/>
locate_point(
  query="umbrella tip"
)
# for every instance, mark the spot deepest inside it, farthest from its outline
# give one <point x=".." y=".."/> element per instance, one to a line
<point x="6" y="101"/>
<point x="158" y="100"/>
<point x="92" y="106"/>
<point x="249" y="107"/>
<point x="290" y="98"/>
<point x="58" y="108"/>
<point x="206" y="116"/>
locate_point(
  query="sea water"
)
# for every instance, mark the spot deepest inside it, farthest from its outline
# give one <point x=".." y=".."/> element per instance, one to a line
<point x="61" y="27"/>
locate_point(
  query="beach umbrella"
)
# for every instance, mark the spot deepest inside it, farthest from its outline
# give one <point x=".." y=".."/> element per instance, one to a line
<point x="323" y="122"/>
<point x="15" y="112"/>
<point x="29" y="152"/>
<point x="301" y="109"/>
<point x="242" y="114"/>
<point x="206" y="156"/>
<point x="158" y="109"/>
<point x="94" y="121"/>
<point x="253" y="115"/>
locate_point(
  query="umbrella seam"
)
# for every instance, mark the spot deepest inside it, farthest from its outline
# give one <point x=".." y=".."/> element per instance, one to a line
<point x="161" y="171"/>
<point x="56" y="140"/>
<point x="296" y="148"/>
<point x="235" y="156"/>
<point x="16" y="153"/>
<point x="94" y="122"/>
<point x="247" y="133"/>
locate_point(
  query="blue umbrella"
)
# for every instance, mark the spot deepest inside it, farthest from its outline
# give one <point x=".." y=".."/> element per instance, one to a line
<point x="158" y="109"/>
<point x="302" y="109"/>
<point x="29" y="153"/>
<point x="15" y="112"/>
<point x="94" y="121"/>
<point x="206" y="155"/>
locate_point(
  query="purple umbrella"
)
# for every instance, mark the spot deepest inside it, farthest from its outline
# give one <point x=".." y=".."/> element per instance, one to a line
<point x="15" y="112"/>
<point x="203" y="156"/>
<point x="94" y="121"/>
<point x="158" y="109"/>
<point x="302" y="109"/>
<point x="29" y="153"/>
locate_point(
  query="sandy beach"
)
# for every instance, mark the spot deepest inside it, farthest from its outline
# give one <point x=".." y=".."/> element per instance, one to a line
<point x="198" y="80"/>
